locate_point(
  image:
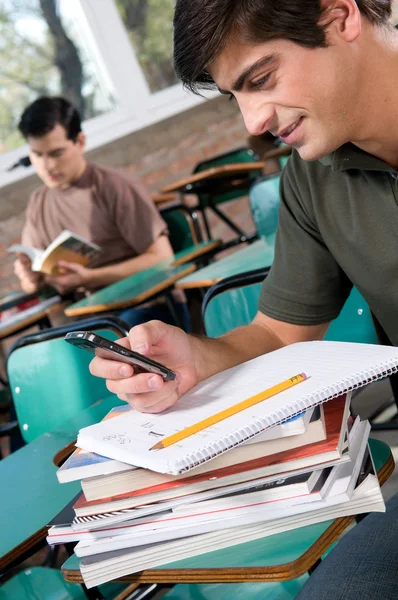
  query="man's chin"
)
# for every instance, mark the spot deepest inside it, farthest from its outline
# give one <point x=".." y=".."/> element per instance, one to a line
<point x="309" y="153"/>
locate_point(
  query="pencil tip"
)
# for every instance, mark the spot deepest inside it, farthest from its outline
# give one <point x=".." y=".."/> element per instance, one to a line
<point x="157" y="446"/>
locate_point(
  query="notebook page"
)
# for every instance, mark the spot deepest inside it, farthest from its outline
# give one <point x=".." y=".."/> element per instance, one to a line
<point x="331" y="367"/>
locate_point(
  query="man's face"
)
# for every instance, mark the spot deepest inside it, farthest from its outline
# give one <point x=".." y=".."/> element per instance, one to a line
<point x="58" y="161"/>
<point x="307" y="97"/>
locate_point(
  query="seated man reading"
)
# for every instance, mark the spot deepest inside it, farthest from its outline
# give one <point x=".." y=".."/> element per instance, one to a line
<point x="99" y="204"/>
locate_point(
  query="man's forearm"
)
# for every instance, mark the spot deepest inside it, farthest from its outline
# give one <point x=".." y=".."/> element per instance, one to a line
<point x="214" y="355"/>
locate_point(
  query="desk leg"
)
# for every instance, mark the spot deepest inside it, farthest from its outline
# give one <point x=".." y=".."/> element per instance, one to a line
<point x="44" y="323"/>
<point x="172" y="308"/>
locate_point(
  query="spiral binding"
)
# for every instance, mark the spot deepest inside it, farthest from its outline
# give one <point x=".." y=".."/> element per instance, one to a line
<point x="289" y="410"/>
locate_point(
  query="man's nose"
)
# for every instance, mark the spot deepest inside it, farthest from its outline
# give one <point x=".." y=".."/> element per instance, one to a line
<point x="257" y="115"/>
<point x="49" y="163"/>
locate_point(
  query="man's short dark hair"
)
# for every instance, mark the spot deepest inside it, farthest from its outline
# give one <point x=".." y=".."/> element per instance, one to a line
<point x="203" y="27"/>
<point x="40" y="117"/>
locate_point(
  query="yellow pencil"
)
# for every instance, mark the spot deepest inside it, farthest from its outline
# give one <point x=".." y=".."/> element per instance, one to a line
<point x="228" y="412"/>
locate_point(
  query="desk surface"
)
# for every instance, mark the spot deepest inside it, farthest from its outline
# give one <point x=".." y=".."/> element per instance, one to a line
<point x="255" y="256"/>
<point x="132" y="290"/>
<point x="29" y="316"/>
<point x="30" y="493"/>
<point x="215" y="173"/>
<point x="259" y="560"/>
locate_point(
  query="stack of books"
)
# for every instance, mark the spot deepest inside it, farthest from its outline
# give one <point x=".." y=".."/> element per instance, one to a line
<point x="289" y="461"/>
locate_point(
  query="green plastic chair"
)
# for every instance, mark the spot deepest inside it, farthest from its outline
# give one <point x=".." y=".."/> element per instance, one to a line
<point x="186" y="237"/>
<point x="354" y="323"/>
<point x="233" y="302"/>
<point x="49" y="379"/>
<point x="264" y="202"/>
<point x="44" y="583"/>
<point x="211" y="195"/>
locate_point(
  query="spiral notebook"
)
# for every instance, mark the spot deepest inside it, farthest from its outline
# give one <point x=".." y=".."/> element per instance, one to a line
<point x="332" y="368"/>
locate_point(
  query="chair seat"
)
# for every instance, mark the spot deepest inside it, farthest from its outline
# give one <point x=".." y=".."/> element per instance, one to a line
<point x="43" y="583"/>
<point x="40" y="582"/>
<point x="286" y="590"/>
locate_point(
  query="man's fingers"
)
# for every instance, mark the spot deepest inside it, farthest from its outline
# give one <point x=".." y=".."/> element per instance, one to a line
<point x="143" y="337"/>
<point x="144" y="383"/>
<point x="110" y="369"/>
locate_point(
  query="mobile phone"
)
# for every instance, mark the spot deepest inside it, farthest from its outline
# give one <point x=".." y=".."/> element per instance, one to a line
<point x="100" y="346"/>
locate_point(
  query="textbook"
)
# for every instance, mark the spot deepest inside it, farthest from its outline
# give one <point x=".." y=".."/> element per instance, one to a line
<point x="66" y="246"/>
<point x="331" y="368"/>
<point x="102" y="567"/>
<point x="182" y="519"/>
<point x="244" y="463"/>
<point x="102" y="476"/>
<point x="139" y="480"/>
<point x="83" y="464"/>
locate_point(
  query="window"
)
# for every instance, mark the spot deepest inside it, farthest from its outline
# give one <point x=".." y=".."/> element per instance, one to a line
<point x="42" y="53"/>
<point x="149" y="25"/>
<point x="113" y="58"/>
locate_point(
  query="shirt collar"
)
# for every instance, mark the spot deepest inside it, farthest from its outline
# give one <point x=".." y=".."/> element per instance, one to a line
<point x="350" y="156"/>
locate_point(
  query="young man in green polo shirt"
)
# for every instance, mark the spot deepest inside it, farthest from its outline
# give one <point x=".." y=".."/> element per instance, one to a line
<point x="322" y="75"/>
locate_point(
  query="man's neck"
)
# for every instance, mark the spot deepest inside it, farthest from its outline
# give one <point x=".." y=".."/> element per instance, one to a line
<point x="377" y="123"/>
<point x="79" y="173"/>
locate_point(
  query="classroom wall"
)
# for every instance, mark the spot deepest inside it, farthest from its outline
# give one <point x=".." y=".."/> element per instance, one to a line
<point x="156" y="155"/>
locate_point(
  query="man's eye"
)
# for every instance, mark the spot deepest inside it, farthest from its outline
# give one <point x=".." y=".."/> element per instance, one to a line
<point x="258" y="83"/>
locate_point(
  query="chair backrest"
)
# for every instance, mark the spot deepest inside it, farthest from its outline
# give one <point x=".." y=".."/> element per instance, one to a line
<point x="49" y="379"/>
<point x="233" y="302"/>
<point x="182" y="227"/>
<point x="264" y="202"/>
<point x="240" y="155"/>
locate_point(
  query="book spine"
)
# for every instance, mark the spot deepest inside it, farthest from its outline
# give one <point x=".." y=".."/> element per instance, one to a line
<point x="289" y="410"/>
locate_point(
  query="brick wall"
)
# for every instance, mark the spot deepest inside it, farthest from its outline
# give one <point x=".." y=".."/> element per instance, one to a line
<point x="156" y="155"/>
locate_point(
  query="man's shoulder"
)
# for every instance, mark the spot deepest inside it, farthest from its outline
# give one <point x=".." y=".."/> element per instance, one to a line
<point x="111" y="176"/>
<point x="38" y="195"/>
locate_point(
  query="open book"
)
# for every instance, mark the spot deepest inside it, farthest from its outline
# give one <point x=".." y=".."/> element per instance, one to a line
<point x="66" y="246"/>
<point x="333" y="368"/>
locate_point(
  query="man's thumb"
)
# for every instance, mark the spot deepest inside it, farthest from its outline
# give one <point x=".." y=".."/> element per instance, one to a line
<point x="71" y="266"/>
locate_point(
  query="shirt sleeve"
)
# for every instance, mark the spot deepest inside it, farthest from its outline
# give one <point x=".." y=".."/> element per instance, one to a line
<point x="31" y="235"/>
<point x="137" y="218"/>
<point x="305" y="285"/>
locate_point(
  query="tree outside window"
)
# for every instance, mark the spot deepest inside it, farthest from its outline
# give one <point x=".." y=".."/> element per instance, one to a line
<point x="149" y="25"/>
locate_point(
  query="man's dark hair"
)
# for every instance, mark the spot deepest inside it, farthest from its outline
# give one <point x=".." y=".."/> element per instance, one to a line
<point x="40" y="117"/>
<point x="203" y="27"/>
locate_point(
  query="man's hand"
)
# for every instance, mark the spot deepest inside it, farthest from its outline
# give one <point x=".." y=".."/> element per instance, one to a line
<point x="147" y="392"/>
<point x="75" y="276"/>
<point x="30" y="280"/>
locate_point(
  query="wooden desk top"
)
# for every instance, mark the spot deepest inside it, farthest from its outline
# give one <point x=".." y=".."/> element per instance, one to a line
<point x="255" y="256"/>
<point x="299" y="549"/>
<point x="30" y="493"/>
<point x="159" y="198"/>
<point x="30" y="316"/>
<point x="222" y="172"/>
<point x="132" y="290"/>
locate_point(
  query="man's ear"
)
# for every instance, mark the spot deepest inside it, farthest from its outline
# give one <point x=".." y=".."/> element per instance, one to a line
<point x="81" y="141"/>
<point x="342" y="18"/>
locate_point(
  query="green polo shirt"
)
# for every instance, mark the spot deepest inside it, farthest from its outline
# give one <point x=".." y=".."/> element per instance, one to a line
<point x="338" y="227"/>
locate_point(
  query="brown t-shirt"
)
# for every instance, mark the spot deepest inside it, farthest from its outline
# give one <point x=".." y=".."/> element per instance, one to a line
<point x="104" y="206"/>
